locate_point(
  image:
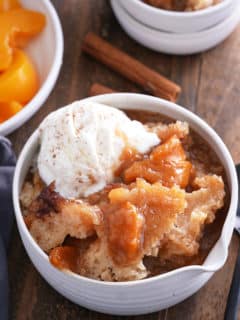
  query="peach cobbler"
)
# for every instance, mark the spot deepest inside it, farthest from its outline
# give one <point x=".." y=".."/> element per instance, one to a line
<point x="120" y="196"/>
<point x="182" y="5"/>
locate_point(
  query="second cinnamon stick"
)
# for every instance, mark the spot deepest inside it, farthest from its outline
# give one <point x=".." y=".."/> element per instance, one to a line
<point x="150" y="80"/>
<point x="98" y="88"/>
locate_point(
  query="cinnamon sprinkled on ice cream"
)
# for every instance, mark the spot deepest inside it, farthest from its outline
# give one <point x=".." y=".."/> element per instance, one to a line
<point x="82" y="144"/>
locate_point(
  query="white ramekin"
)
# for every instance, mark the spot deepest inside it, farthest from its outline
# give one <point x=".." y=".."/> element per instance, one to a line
<point x="175" y="43"/>
<point x="144" y="296"/>
<point x="46" y="51"/>
<point x="178" y="22"/>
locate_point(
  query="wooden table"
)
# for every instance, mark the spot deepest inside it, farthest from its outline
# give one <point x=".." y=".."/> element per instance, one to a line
<point x="210" y="83"/>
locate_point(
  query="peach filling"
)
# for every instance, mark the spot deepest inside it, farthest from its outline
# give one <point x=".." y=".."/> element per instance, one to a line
<point x="166" y="164"/>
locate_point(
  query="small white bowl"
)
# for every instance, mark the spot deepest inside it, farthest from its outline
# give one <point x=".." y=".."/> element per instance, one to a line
<point x="178" y="22"/>
<point x="143" y="296"/>
<point x="175" y="43"/>
<point x="46" y="52"/>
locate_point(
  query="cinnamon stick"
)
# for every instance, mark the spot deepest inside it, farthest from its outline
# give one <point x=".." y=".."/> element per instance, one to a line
<point x="150" y="80"/>
<point x="97" y="88"/>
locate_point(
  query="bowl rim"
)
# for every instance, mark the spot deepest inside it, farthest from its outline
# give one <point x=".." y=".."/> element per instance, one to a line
<point x="186" y="14"/>
<point x="233" y="185"/>
<point x="155" y="33"/>
<point x="40" y="97"/>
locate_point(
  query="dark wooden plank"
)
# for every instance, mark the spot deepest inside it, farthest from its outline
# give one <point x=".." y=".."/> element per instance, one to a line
<point x="186" y="71"/>
<point x="31" y="296"/>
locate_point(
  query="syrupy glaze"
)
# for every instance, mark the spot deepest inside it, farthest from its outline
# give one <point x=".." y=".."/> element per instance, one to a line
<point x="138" y="166"/>
<point x="166" y="164"/>
<point x="67" y="256"/>
<point x="134" y="224"/>
<point x="124" y="227"/>
<point x="144" y="186"/>
<point x="202" y="155"/>
<point x="196" y="148"/>
<point x="127" y="157"/>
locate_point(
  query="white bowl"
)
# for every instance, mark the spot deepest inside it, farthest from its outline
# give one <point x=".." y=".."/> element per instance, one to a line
<point x="174" y="43"/>
<point x="46" y="52"/>
<point x="178" y="22"/>
<point x="142" y="296"/>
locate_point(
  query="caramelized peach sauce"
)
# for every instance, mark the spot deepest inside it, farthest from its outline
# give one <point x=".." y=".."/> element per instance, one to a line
<point x="67" y="257"/>
<point x="166" y="164"/>
<point x="165" y="209"/>
<point x="137" y="216"/>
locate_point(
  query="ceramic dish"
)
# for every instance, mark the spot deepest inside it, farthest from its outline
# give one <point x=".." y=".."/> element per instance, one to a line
<point x="178" y="22"/>
<point x="46" y="51"/>
<point x="175" y="43"/>
<point x="142" y="296"/>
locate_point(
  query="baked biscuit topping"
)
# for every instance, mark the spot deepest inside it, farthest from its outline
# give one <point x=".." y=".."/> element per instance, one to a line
<point x="157" y="207"/>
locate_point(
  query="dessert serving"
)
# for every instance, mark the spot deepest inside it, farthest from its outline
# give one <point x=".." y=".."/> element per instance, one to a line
<point x="118" y="197"/>
<point x="182" y="5"/>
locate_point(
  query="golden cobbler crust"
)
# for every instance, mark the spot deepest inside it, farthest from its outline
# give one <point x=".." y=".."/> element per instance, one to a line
<point x="157" y="210"/>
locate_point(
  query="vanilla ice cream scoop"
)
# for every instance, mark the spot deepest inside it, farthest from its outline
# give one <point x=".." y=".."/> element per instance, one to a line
<point x="81" y="145"/>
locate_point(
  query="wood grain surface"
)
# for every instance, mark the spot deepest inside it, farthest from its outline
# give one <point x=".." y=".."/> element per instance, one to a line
<point x="210" y="87"/>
